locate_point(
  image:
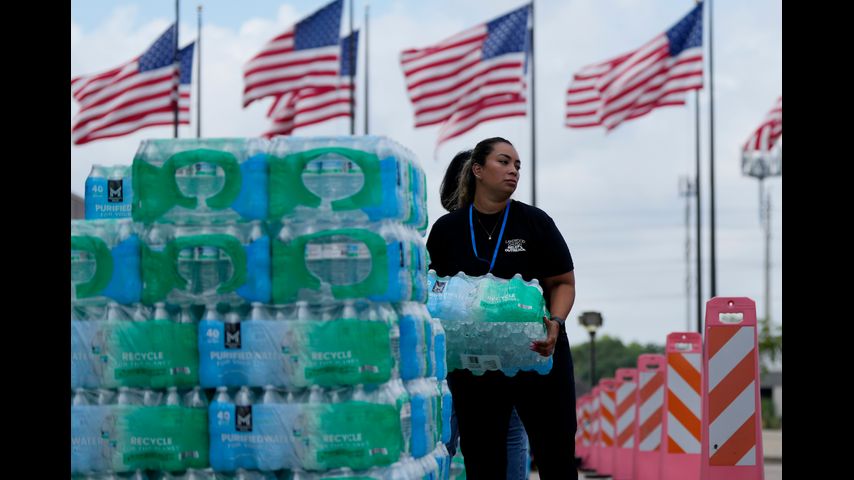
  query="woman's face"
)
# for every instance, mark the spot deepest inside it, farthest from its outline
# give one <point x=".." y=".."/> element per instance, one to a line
<point x="500" y="171"/>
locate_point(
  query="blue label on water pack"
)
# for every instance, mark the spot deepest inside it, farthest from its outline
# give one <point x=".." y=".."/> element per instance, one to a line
<point x="108" y="198"/>
<point x="247" y="353"/>
<point x="260" y="437"/>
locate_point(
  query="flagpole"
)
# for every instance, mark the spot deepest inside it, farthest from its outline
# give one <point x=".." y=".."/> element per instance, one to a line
<point x="699" y="210"/>
<point x="712" y="157"/>
<point x="352" y="78"/>
<point x="176" y="63"/>
<point x="533" y="117"/>
<point x="199" y="77"/>
<point x="367" y="53"/>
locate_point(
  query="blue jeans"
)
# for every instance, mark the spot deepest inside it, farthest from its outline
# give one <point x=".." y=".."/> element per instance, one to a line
<point x="518" y="464"/>
<point x="518" y="461"/>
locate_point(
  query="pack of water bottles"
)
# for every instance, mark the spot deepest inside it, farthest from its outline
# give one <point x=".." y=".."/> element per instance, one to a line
<point x="334" y="344"/>
<point x="133" y="346"/>
<point x="367" y="178"/>
<point x="435" y="466"/>
<point x="189" y="474"/>
<point x="197" y="264"/>
<point x="318" y="260"/>
<point x="138" y="430"/>
<point x="105" y="262"/>
<point x="200" y="181"/>
<point x="489" y="322"/>
<point x="109" y="192"/>
<point x="313" y="429"/>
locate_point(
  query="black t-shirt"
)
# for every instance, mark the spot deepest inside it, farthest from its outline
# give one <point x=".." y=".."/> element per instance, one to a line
<point x="531" y="246"/>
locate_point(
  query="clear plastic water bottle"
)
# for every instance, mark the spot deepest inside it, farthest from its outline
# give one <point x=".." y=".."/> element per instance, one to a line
<point x="79" y="398"/>
<point x="224" y="264"/>
<point x="150" y="398"/>
<point x="187" y="265"/>
<point x="196" y="398"/>
<point x="271" y="396"/>
<point x="128" y="397"/>
<point x="208" y="259"/>
<point x="209" y="179"/>
<point x="173" y="399"/>
<point x="186" y="315"/>
<point x="96" y="191"/>
<point x="222" y="396"/>
<point x="105" y="397"/>
<point x="244" y="397"/>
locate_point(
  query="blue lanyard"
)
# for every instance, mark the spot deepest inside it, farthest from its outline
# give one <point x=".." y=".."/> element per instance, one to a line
<point x="500" y="234"/>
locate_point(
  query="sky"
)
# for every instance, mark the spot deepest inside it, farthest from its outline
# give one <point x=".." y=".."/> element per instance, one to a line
<point x="614" y="196"/>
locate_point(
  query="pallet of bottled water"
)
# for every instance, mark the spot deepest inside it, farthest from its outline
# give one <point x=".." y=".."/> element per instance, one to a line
<point x="286" y="277"/>
<point x="489" y="322"/>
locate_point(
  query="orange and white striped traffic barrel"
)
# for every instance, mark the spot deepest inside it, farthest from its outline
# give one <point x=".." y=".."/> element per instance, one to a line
<point x="732" y="430"/>
<point x="683" y="409"/>
<point x="595" y="430"/>
<point x="650" y="408"/>
<point x="607" y="424"/>
<point x="624" y="462"/>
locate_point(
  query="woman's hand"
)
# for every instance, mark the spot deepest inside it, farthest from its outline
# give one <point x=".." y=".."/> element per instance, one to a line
<point x="547" y="347"/>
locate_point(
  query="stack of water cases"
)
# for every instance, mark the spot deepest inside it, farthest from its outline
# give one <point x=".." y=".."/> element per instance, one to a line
<point x="338" y="372"/>
<point x="136" y="405"/>
<point x="197" y="244"/>
<point x="490" y="322"/>
<point x="261" y="317"/>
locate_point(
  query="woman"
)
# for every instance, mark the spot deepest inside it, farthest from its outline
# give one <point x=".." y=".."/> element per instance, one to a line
<point x="488" y="232"/>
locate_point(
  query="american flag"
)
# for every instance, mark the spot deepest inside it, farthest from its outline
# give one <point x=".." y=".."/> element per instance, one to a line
<point x="135" y="95"/>
<point x="304" y="56"/>
<point x="761" y="155"/>
<point x="657" y="74"/>
<point x="312" y="105"/>
<point x="472" y="77"/>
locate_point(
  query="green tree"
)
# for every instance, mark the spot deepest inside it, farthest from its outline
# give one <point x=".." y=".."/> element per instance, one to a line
<point x="611" y="354"/>
<point x="770" y="344"/>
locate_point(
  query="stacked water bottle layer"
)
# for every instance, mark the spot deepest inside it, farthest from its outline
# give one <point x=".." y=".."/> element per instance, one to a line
<point x="490" y="322"/>
<point x="136" y="430"/>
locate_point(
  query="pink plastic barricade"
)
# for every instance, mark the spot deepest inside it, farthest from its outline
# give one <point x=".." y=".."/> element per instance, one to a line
<point x="650" y="408"/>
<point x="624" y="462"/>
<point x="595" y="447"/>
<point x="579" y="430"/>
<point x="731" y="428"/>
<point x="608" y="424"/>
<point x="582" y="436"/>
<point x="680" y="457"/>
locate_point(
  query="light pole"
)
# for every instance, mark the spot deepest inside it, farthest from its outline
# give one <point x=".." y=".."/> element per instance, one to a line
<point x="591" y="321"/>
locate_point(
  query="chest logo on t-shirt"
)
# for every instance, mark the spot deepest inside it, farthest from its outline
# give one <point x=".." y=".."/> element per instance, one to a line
<point x="515" y="245"/>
